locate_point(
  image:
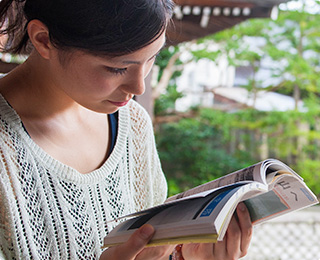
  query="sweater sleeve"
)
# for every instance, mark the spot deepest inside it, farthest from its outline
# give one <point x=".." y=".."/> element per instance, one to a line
<point x="160" y="187"/>
<point x="149" y="181"/>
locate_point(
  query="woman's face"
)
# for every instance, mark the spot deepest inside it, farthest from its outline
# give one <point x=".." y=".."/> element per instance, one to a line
<point x="105" y="84"/>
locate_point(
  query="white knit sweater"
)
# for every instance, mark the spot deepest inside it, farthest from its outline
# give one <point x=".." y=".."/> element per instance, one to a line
<point x="50" y="211"/>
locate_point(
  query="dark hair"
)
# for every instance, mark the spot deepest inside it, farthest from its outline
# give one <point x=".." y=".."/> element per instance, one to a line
<point x="109" y="27"/>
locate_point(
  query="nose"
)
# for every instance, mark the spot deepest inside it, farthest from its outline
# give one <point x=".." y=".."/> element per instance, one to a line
<point x="139" y="86"/>
<point x="136" y="83"/>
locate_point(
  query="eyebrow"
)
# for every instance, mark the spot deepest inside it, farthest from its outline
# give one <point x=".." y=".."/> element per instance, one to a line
<point x="138" y="62"/>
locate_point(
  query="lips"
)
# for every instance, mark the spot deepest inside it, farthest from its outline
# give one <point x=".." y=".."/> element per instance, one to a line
<point x="119" y="104"/>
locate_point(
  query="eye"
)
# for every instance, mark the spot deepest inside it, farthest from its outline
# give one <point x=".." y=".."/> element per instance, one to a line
<point x="117" y="71"/>
<point x="155" y="57"/>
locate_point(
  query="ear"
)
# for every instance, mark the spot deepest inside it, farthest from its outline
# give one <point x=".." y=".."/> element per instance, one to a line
<point x="39" y="36"/>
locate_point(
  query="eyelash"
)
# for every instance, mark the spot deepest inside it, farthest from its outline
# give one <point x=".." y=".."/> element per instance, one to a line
<point x="122" y="71"/>
<point x="117" y="71"/>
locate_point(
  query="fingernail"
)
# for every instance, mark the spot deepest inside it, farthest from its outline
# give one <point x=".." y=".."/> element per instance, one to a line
<point x="146" y="231"/>
<point x="242" y="207"/>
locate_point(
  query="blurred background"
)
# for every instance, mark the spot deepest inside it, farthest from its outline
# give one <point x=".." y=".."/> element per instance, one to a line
<point x="238" y="83"/>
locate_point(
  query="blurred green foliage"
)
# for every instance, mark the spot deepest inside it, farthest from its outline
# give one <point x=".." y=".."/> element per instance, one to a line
<point x="166" y="102"/>
<point x="214" y="143"/>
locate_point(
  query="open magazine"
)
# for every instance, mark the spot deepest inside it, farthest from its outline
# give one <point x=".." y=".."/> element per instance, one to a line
<point x="202" y="214"/>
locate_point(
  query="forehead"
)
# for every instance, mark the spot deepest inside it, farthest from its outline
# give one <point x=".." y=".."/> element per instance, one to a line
<point x="136" y="57"/>
<point x="144" y="53"/>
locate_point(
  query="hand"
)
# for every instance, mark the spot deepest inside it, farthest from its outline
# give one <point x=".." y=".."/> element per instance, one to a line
<point x="234" y="245"/>
<point x="134" y="248"/>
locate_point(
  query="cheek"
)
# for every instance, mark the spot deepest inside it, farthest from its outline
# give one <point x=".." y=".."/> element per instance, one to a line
<point x="96" y="83"/>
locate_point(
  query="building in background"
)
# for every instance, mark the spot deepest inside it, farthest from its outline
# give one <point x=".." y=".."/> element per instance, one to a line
<point x="206" y="84"/>
<point x="194" y="19"/>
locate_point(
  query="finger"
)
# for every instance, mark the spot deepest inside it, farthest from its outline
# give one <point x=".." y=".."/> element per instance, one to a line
<point x="198" y="251"/>
<point x="220" y="249"/>
<point x="233" y="238"/>
<point x="155" y="253"/>
<point x="207" y="250"/>
<point x="191" y="251"/>
<point x="127" y="251"/>
<point x="245" y="226"/>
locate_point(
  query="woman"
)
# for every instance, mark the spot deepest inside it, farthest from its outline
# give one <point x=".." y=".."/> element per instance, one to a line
<point x="76" y="150"/>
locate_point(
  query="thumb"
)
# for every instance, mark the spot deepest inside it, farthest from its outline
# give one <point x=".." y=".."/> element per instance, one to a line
<point x="135" y="244"/>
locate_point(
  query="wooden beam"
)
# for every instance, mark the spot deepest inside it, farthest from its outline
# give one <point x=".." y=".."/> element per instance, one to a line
<point x="187" y="27"/>
<point x="222" y="3"/>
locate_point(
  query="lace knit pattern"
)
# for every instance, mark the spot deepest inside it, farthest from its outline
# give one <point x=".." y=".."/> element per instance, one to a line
<point x="50" y="211"/>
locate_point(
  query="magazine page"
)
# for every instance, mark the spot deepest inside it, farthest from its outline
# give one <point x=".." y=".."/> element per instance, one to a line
<point x="287" y="193"/>
<point x="202" y="214"/>
<point x="197" y="220"/>
<point x="263" y="172"/>
<point x="272" y="167"/>
<point x="191" y="220"/>
<point x="252" y="173"/>
<point x="173" y="202"/>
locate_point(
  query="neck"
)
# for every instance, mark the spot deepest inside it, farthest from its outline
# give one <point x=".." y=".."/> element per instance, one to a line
<point x="30" y="90"/>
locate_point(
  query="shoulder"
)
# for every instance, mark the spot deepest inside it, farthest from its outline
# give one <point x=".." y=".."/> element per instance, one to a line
<point x="8" y="117"/>
<point x="138" y="113"/>
<point x="135" y="120"/>
<point x="134" y="106"/>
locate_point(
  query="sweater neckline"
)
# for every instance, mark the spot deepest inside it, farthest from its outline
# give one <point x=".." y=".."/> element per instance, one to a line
<point x="64" y="171"/>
